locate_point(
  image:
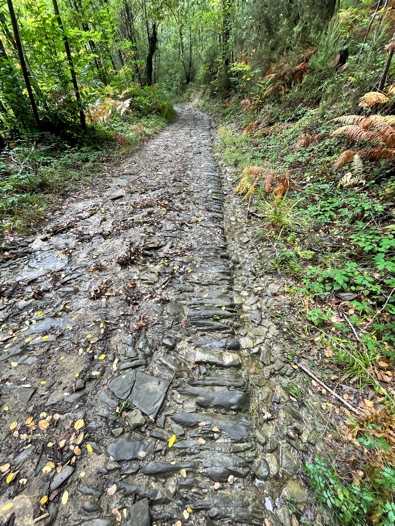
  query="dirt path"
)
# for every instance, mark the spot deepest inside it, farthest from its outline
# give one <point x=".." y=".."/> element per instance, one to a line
<point x="125" y="394"/>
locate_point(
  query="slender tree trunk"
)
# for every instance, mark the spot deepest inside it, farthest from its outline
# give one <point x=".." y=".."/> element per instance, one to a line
<point x="152" y="47"/>
<point x="71" y="65"/>
<point x="391" y="50"/>
<point x="226" y="21"/>
<point x="18" y="44"/>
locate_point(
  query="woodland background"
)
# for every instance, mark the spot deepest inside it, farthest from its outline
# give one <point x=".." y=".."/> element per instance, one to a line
<point x="304" y="95"/>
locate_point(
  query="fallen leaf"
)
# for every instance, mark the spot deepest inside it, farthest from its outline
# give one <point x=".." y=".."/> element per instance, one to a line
<point x="43" y="425"/>
<point x="189" y="510"/>
<point x="172" y="440"/>
<point x="118" y="516"/>
<point x="186" y="514"/>
<point x="62" y="443"/>
<point x="80" y="423"/>
<point x="23" y="481"/>
<point x="82" y="474"/>
<point x="112" y="489"/>
<point x="201" y="441"/>
<point x="7" y="506"/>
<point x="13" y="426"/>
<point x="89" y="448"/>
<point x="183" y="473"/>
<point x="29" y="420"/>
<point x="4" y="468"/>
<point x="43" y="500"/>
<point x="10" y="478"/>
<point x="217" y="486"/>
<point x="102" y="356"/>
<point x="65" y="497"/>
<point x="79" y="439"/>
<point x="77" y="451"/>
<point x="5" y="408"/>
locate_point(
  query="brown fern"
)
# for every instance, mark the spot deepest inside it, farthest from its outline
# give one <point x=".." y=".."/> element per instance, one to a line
<point x="359" y="134"/>
<point x="376" y="154"/>
<point x="372" y="98"/>
<point x="346" y="157"/>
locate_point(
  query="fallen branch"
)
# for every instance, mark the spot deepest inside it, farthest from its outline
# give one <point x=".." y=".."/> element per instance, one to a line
<point x="352" y="327"/>
<point x="349" y="406"/>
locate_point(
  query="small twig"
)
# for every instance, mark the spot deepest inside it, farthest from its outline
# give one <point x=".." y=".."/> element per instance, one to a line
<point x="352" y="327"/>
<point x="380" y="311"/>
<point x="41" y="518"/>
<point x="27" y="158"/>
<point x="349" y="406"/>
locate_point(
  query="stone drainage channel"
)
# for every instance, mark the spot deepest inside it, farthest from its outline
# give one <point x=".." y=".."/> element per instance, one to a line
<point x="126" y="397"/>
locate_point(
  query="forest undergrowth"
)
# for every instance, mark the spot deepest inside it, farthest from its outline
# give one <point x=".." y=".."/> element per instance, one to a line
<point x="315" y="154"/>
<point x="38" y="169"/>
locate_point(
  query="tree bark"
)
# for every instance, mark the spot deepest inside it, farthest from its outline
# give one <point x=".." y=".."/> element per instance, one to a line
<point x="18" y="44"/>
<point x="391" y="50"/>
<point x="152" y="47"/>
<point x="71" y="65"/>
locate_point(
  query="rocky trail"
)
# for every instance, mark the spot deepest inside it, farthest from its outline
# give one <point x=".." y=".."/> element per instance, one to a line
<point x="141" y="375"/>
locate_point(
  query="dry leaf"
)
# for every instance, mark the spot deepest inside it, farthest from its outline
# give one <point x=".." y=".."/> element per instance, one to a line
<point x="117" y="514"/>
<point x="43" y="425"/>
<point x="77" y="451"/>
<point x="43" y="500"/>
<point x="62" y="443"/>
<point x="65" y="497"/>
<point x="29" y="420"/>
<point x="79" y="439"/>
<point x="80" y="423"/>
<point x="10" y="478"/>
<point x="172" y="440"/>
<point x="201" y="441"/>
<point x="186" y="514"/>
<point x="112" y="489"/>
<point x="89" y="448"/>
<point x="13" y="425"/>
<point x="4" y="468"/>
<point x="183" y="473"/>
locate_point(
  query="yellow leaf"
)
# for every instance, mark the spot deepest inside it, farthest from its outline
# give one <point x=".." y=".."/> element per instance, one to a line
<point x="368" y="403"/>
<point x="65" y="497"/>
<point x="189" y="510"/>
<point x="5" y="408"/>
<point x="80" y="423"/>
<point x="13" y="426"/>
<point x="43" y="425"/>
<point x="43" y="382"/>
<point x="45" y="337"/>
<point x="172" y="440"/>
<point x="79" y="439"/>
<point x="50" y="444"/>
<point x="23" y="481"/>
<point x="14" y="364"/>
<point x="183" y="473"/>
<point x="94" y="340"/>
<point x="96" y="373"/>
<point x="82" y="474"/>
<point x="7" y="506"/>
<point x="29" y="420"/>
<point x="28" y="339"/>
<point x="10" y="478"/>
<point x="89" y="448"/>
<point x="43" y="500"/>
<point x="223" y="308"/>
<point x="102" y="356"/>
<point x="88" y="336"/>
<point x="43" y="414"/>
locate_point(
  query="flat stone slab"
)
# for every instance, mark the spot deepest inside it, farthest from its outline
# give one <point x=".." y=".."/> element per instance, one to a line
<point x="139" y="514"/>
<point x="146" y="392"/>
<point x="237" y="428"/>
<point x="231" y="400"/>
<point x="222" y="358"/>
<point x="130" y="447"/>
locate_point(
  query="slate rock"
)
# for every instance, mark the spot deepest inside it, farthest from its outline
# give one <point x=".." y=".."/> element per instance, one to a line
<point x="222" y="358"/>
<point x="129" y="447"/>
<point x="134" y="419"/>
<point x="231" y="400"/>
<point x="237" y="428"/>
<point x="123" y="385"/>
<point x="139" y="514"/>
<point x="148" y="393"/>
<point x="61" y="477"/>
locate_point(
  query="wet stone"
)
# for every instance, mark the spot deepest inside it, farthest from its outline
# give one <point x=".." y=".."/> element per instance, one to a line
<point x="224" y="359"/>
<point x="139" y="514"/>
<point x="169" y="343"/>
<point x="134" y="419"/>
<point x="129" y="447"/>
<point x="261" y="469"/>
<point x="295" y="493"/>
<point x="231" y="400"/>
<point x="91" y="507"/>
<point x="61" y="477"/>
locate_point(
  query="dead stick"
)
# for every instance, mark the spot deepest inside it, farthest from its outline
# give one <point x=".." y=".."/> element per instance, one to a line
<point x="41" y="518"/>
<point x="352" y="327"/>
<point x="350" y="407"/>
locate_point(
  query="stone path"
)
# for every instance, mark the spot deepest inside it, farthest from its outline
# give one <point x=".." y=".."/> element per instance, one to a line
<point x="125" y="395"/>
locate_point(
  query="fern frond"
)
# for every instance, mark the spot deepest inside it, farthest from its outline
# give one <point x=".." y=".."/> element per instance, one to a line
<point x="358" y="134"/>
<point x="372" y="98"/>
<point x="355" y="177"/>
<point x="391" y="90"/>
<point x="376" y="154"/>
<point x="357" y="166"/>
<point x="349" y="119"/>
<point x="344" y="159"/>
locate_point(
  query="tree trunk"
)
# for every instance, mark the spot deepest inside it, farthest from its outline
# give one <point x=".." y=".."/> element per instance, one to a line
<point x="391" y="50"/>
<point x="71" y="65"/>
<point x="18" y="44"/>
<point x="152" y="47"/>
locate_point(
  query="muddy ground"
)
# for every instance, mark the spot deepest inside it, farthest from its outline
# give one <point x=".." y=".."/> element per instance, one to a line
<point x="142" y="374"/>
